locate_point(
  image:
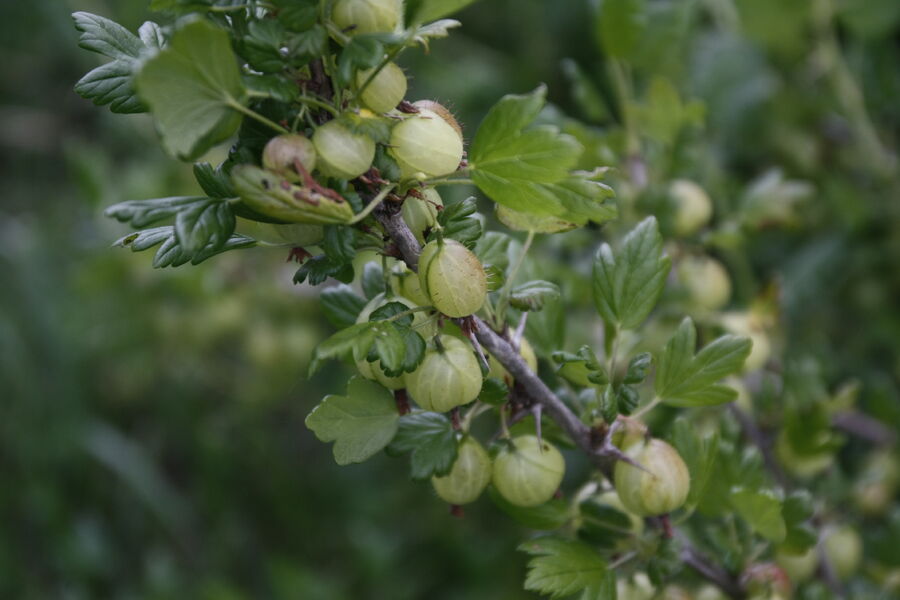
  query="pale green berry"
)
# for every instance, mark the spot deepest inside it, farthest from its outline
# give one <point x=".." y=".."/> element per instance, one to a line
<point x="343" y="153"/>
<point x="693" y="207"/>
<point x="469" y="475"/>
<point x="452" y="277"/>
<point x="843" y="549"/>
<point x="426" y="143"/>
<point x="706" y="282"/>
<point x="282" y="152"/>
<point x="367" y="16"/>
<point x="799" y="567"/>
<point x="420" y="214"/>
<point x="386" y="89"/>
<point x="449" y="376"/>
<point x="528" y="471"/>
<point x="661" y="487"/>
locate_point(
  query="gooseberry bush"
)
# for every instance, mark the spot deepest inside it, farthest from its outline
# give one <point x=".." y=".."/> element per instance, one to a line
<point x="637" y="460"/>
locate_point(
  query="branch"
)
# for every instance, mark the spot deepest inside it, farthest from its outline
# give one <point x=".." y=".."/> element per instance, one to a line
<point x="864" y="426"/>
<point x="599" y="448"/>
<point x="756" y="437"/>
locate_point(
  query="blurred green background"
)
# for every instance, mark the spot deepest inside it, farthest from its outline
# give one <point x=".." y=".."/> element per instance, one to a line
<point x="151" y="424"/>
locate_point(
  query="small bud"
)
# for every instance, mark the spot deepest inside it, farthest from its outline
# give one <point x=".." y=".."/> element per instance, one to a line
<point x="452" y="277"/>
<point x="528" y="471"/>
<point x="449" y="376"/>
<point x="420" y="214"/>
<point x="342" y="153"/>
<point x="469" y="476"/>
<point x="693" y="207"/>
<point x="282" y="152"/>
<point x="386" y="90"/>
<point x="367" y="16"/>
<point x="427" y="143"/>
<point x="659" y="489"/>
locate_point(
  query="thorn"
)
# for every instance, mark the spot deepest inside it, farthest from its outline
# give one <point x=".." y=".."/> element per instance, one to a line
<point x="519" y="332"/>
<point x="536" y="411"/>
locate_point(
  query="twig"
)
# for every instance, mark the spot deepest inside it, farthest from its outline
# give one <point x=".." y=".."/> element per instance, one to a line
<point x="864" y="426"/>
<point x="709" y="570"/>
<point x="756" y="437"/>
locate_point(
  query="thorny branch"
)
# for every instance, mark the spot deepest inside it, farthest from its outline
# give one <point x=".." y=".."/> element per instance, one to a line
<point x="597" y="445"/>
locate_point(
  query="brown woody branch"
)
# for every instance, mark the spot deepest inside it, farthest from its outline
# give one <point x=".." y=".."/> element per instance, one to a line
<point x="598" y="447"/>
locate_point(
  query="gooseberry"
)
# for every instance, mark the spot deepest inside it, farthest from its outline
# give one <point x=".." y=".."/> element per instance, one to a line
<point x="367" y="16"/>
<point x="386" y="89"/>
<point x="449" y="376"/>
<point x="427" y="143"/>
<point x="469" y="475"/>
<point x="452" y="277"/>
<point x="528" y="471"/>
<point x="659" y="489"/>
<point x="343" y="153"/>
<point x="282" y="152"/>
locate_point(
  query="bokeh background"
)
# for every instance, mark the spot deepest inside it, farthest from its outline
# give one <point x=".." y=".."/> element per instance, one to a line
<point x="151" y="421"/>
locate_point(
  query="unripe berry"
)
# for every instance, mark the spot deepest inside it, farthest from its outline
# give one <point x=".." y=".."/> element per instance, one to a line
<point x="657" y="492"/>
<point x="405" y="282"/>
<point x="372" y="370"/>
<point x="385" y="91"/>
<point x="367" y="16"/>
<point x="843" y="549"/>
<point x="693" y="207"/>
<point x="449" y="376"/>
<point x="420" y="214"/>
<point x="877" y="484"/>
<point x="743" y="323"/>
<point x="638" y="587"/>
<point x="427" y="143"/>
<point x="282" y="151"/>
<point x="528" y="471"/>
<point x="527" y="353"/>
<point x="469" y="476"/>
<point x="766" y="581"/>
<point x="804" y="466"/>
<point x="342" y="153"/>
<point x="799" y="567"/>
<point x="706" y="281"/>
<point x="452" y="277"/>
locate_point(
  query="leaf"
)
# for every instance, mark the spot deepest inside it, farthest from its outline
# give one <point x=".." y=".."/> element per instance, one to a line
<point x="546" y="329"/>
<point x="532" y="295"/>
<point x="112" y="83"/>
<point x="431" y="440"/>
<point x="562" y="567"/>
<point x="627" y="284"/>
<point x="699" y="454"/>
<point x="360" y="423"/>
<point x="582" y="368"/>
<point x="796" y="511"/>
<point x="638" y="367"/>
<point x="619" y="26"/>
<point x="459" y="223"/>
<point x="318" y="269"/>
<point x="493" y="391"/>
<point x="683" y="379"/>
<point x="438" y="29"/>
<point x="171" y="253"/>
<point x="191" y="88"/>
<point x="423" y="11"/>
<point x="504" y="158"/>
<point x="140" y="213"/>
<point x="214" y="182"/>
<point x="761" y="509"/>
<point x="341" y="305"/>
<point x="203" y="224"/>
<point x="604" y="590"/>
<point x="548" y="516"/>
<point x="339" y="244"/>
<point x="493" y="249"/>
<point x="361" y="52"/>
<point x="353" y="342"/>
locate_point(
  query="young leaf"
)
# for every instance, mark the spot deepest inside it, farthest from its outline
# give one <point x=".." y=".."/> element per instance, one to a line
<point x="683" y="379"/>
<point x="341" y="305"/>
<point x="354" y="341"/>
<point x="214" y="182"/>
<point x="627" y="284"/>
<point x="533" y="294"/>
<point x="505" y="159"/>
<point x="562" y="567"/>
<point x="638" y="367"/>
<point x="762" y="511"/>
<point x="203" y="224"/>
<point x="112" y="83"/>
<point x="360" y="423"/>
<point x="493" y="391"/>
<point x="191" y="87"/>
<point x="171" y="253"/>
<point x="459" y="223"/>
<point x="140" y="213"/>
<point x="431" y="440"/>
<point x="582" y="368"/>
<point x="319" y="268"/>
<point x="699" y="454"/>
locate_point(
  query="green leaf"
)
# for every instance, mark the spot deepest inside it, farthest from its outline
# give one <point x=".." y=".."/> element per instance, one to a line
<point x="796" y="511"/>
<point x="360" y="423"/>
<point x="699" y="454"/>
<point x="318" y="269"/>
<point x="761" y="509"/>
<point x="361" y="52"/>
<point x="112" y="83"/>
<point x="140" y="213"/>
<point x="548" y="516"/>
<point x="353" y="342"/>
<point x="507" y="161"/>
<point x="431" y="440"/>
<point x="619" y="26"/>
<point x="604" y="590"/>
<point x="493" y="249"/>
<point x="493" y="391"/>
<point x="423" y="11"/>
<point x="562" y="567"/>
<point x="582" y="368"/>
<point x="638" y="367"/>
<point x="191" y="88"/>
<point x="459" y="223"/>
<point x="262" y="46"/>
<point x="341" y="305"/>
<point x="438" y="29"/>
<point x="171" y="253"/>
<point x="214" y="182"/>
<point x="339" y="243"/>
<point x="532" y="295"/>
<point x="203" y="224"/>
<point x="627" y="284"/>
<point x="546" y="329"/>
<point x="683" y="379"/>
